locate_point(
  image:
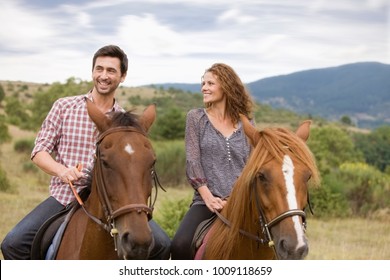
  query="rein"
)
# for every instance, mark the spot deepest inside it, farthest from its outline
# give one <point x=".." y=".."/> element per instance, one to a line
<point x="111" y="214"/>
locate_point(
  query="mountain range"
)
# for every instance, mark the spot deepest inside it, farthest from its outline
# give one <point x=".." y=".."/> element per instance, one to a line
<point x="360" y="91"/>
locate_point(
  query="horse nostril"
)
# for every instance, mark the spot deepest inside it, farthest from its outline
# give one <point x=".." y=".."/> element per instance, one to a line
<point x="126" y="241"/>
<point x="283" y="250"/>
<point x="129" y="248"/>
<point x="290" y="251"/>
<point x="303" y="251"/>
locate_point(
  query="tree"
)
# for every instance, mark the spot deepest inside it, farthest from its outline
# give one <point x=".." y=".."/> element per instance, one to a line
<point x="332" y="146"/>
<point x="375" y="147"/>
<point x="16" y="113"/>
<point x="366" y="188"/>
<point x="346" y="120"/>
<point x="4" y="134"/>
<point x="170" y="125"/>
<point x="2" y="94"/>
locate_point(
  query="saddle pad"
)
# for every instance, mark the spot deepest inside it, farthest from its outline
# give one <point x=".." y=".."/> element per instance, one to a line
<point x="200" y="234"/>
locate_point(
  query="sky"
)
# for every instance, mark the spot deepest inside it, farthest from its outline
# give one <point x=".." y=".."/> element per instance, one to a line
<point x="173" y="41"/>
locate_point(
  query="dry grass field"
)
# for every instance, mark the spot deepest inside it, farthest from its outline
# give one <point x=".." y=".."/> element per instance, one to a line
<point x="334" y="239"/>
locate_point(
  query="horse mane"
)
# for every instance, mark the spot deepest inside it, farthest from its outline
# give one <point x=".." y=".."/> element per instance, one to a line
<point x="274" y="143"/>
<point x="128" y="118"/>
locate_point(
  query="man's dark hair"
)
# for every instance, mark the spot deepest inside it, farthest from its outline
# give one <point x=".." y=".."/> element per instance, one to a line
<point x="112" y="51"/>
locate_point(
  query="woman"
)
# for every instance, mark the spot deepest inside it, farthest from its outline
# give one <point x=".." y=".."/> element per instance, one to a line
<point x="216" y="150"/>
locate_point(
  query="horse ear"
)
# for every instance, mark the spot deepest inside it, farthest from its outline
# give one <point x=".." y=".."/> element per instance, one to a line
<point x="148" y="117"/>
<point x="303" y="130"/>
<point x="250" y="131"/>
<point x="101" y="120"/>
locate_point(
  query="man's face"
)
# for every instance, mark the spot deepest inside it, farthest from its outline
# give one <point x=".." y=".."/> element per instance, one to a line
<point x="107" y="75"/>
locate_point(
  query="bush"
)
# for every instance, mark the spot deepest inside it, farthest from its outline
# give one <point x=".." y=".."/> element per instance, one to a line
<point x="171" y="161"/>
<point x="4" y="182"/>
<point x="366" y="188"/>
<point x="24" y="146"/>
<point x="170" y="125"/>
<point x="328" y="204"/>
<point x="29" y="166"/>
<point x="171" y="212"/>
<point x="4" y="133"/>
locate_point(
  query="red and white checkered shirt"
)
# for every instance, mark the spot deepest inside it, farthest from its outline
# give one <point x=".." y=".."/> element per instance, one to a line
<point x="70" y="135"/>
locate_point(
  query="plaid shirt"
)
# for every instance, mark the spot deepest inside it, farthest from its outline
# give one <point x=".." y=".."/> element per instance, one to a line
<point x="70" y="135"/>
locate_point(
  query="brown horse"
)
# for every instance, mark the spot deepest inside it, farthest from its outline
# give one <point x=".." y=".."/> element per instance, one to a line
<point x="264" y="217"/>
<point x="113" y="221"/>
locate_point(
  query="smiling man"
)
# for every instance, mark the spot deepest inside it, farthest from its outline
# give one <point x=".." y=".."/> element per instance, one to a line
<point x="70" y="135"/>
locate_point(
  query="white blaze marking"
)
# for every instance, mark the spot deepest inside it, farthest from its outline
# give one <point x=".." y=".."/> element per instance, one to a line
<point x="129" y="149"/>
<point x="288" y="173"/>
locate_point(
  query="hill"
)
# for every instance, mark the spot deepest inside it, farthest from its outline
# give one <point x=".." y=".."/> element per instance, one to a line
<point x="360" y="91"/>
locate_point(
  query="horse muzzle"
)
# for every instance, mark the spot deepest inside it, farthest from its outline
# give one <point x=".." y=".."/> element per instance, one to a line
<point x="132" y="249"/>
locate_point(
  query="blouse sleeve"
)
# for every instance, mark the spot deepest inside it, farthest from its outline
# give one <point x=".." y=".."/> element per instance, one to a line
<point x="194" y="170"/>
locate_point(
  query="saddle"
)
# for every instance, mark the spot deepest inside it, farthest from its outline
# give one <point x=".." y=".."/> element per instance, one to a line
<point x="49" y="235"/>
<point x="48" y="238"/>
<point x="198" y="241"/>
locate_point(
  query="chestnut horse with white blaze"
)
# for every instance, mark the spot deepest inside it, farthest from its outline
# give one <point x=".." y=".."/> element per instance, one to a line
<point x="264" y="217"/>
<point x="113" y="221"/>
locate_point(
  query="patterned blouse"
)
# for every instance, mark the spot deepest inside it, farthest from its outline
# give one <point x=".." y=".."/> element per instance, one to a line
<point x="70" y="135"/>
<point x="212" y="159"/>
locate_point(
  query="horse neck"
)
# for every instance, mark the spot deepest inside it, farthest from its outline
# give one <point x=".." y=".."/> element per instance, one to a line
<point x="226" y="242"/>
<point x="93" y="204"/>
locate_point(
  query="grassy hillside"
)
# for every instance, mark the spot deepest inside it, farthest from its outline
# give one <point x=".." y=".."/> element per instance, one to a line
<point x="25" y="91"/>
<point x="329" y="239"/>
<point x="358" y="90"/>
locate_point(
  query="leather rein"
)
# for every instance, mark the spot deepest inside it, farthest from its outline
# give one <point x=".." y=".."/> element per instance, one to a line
<point x="110" y="214"/>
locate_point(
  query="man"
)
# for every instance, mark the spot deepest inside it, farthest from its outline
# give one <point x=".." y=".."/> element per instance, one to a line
<point x="70" y="135"/>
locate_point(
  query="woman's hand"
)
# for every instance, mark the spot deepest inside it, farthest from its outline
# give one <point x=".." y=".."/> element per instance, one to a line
<point x="212" y="202"/>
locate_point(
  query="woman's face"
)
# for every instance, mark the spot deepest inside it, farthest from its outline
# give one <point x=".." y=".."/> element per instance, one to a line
<point x="211" y="89"/>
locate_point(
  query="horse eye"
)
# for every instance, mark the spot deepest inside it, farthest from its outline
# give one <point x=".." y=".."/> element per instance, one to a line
<point x="261" y="176"/>
<point x="105" y="164"/>
<point x="308" y="176"/>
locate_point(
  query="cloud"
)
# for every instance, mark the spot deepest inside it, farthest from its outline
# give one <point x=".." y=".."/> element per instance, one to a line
<point x="236" y="16"/>
<point x="174" y="41"/>
<point x="145" y="36"/>
<point x="20" y="28"/>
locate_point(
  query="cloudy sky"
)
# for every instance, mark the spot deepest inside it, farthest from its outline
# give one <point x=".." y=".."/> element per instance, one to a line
<point x="176" y="40"/>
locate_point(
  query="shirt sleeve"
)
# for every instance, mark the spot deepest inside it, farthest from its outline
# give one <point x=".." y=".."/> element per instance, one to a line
<point x="194" y="169"/>
<point x="50" y="131"/>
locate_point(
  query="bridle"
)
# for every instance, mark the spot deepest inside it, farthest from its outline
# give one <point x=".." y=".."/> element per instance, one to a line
<point x="109" y="213"/>
<point x="264" y="225"/>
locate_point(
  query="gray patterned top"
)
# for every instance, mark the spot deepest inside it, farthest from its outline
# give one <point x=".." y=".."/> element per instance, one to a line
<point x="212" y="159"/>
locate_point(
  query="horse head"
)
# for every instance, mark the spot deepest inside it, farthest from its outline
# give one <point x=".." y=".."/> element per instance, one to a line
<point x="123" y="179"/>
<point x="280" y="168"/>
